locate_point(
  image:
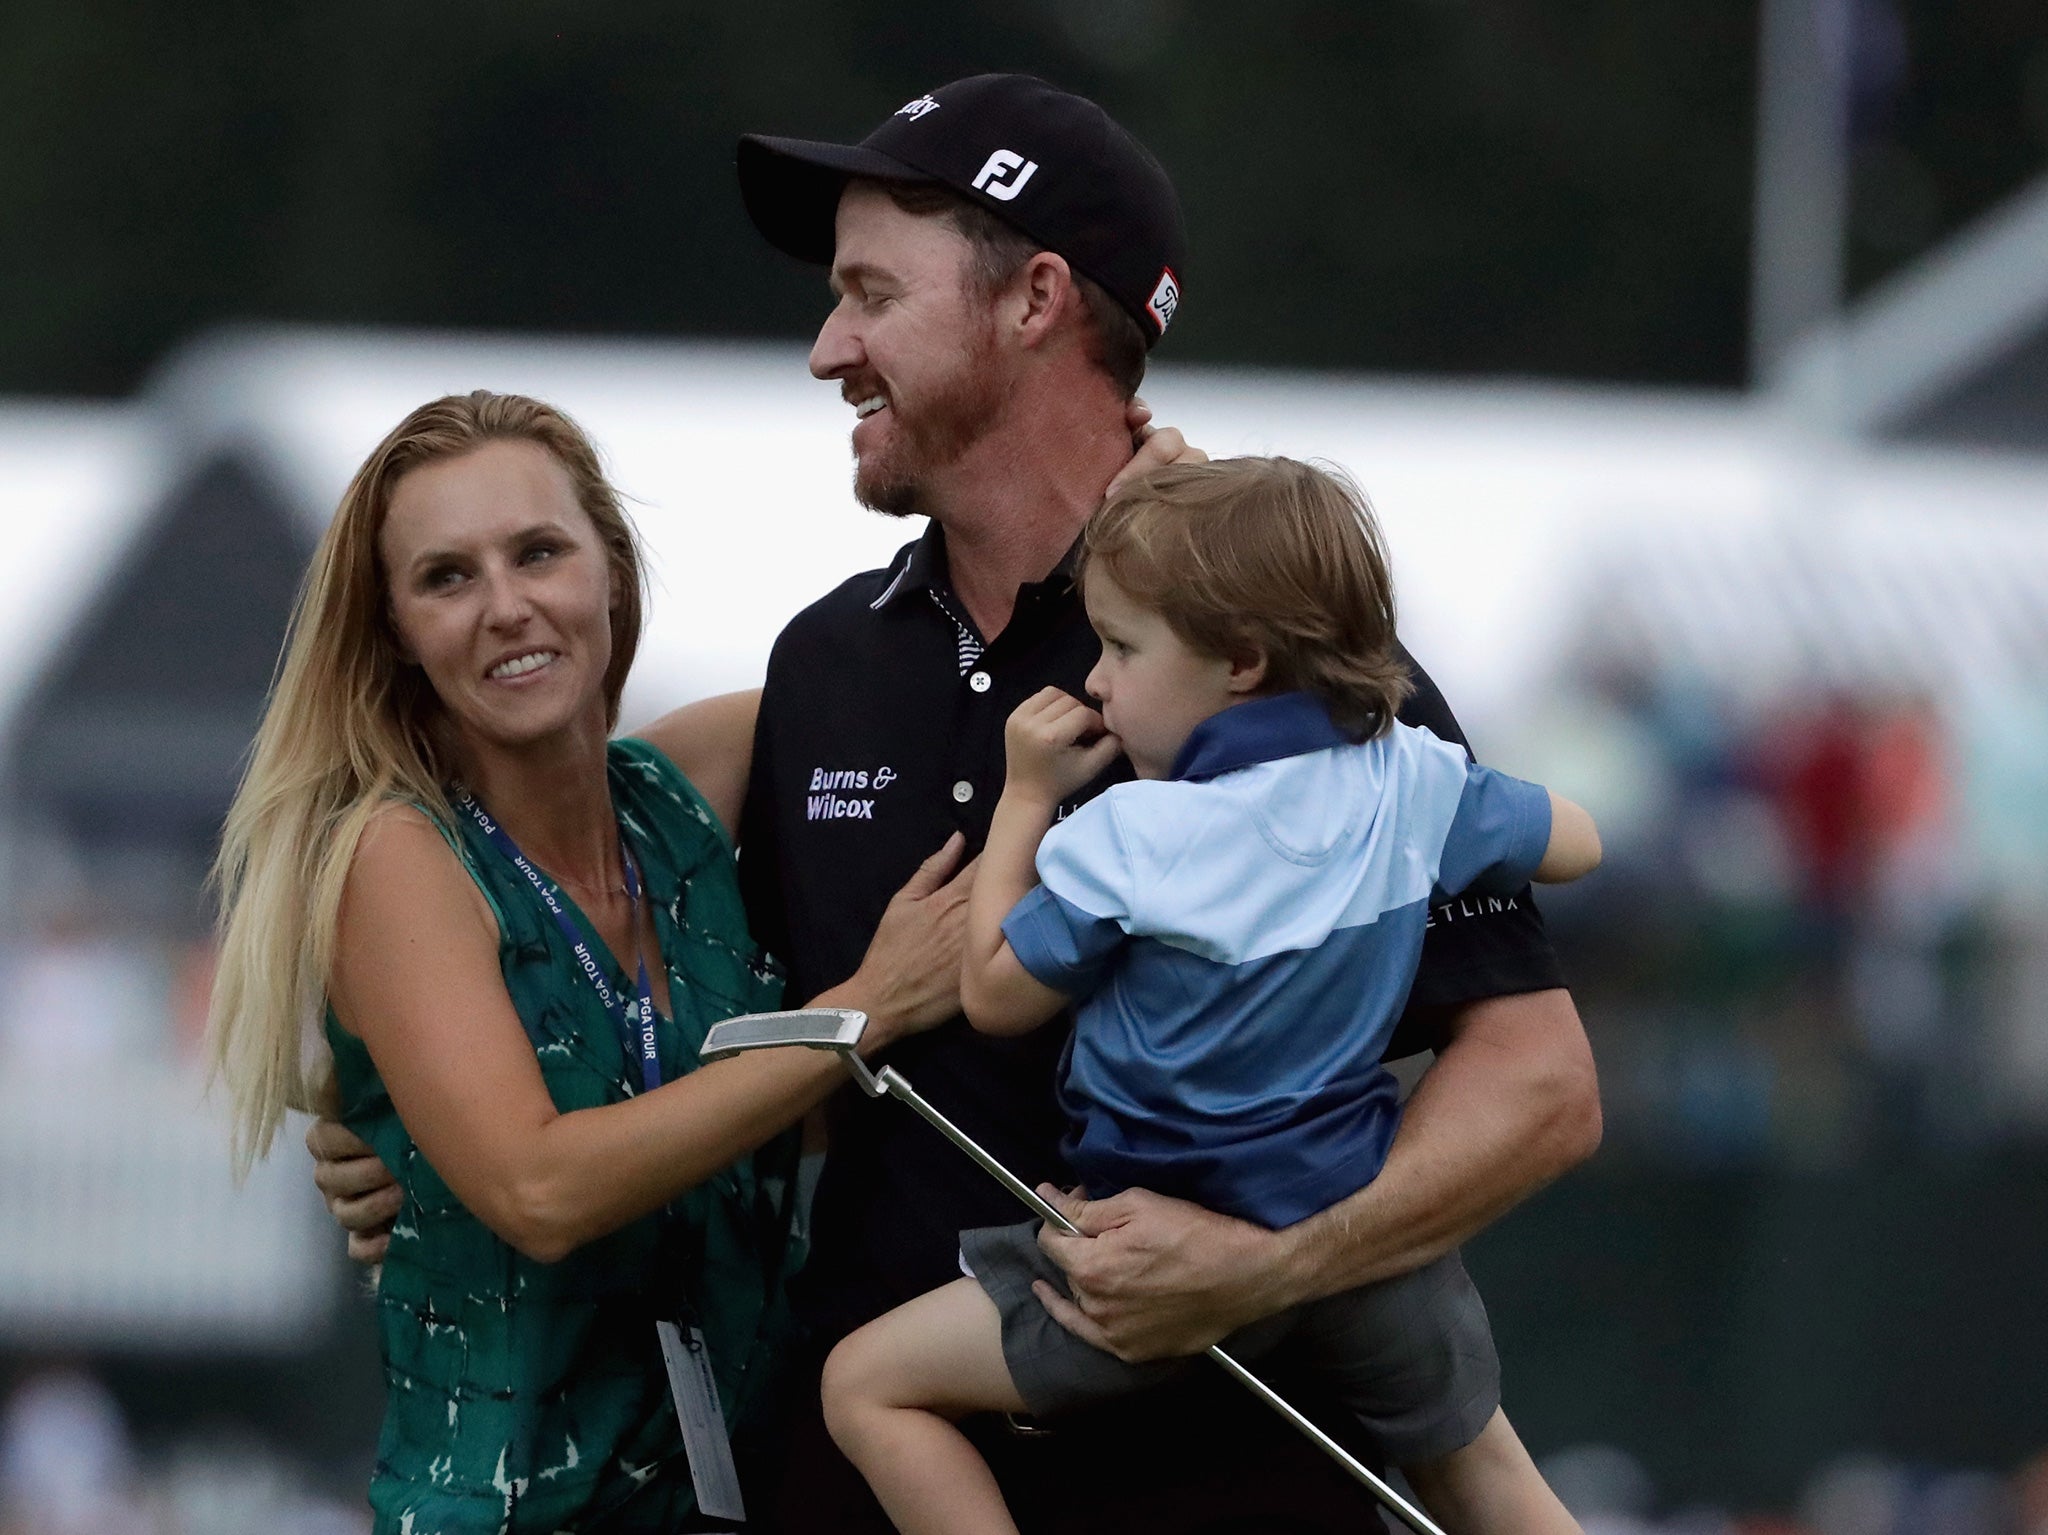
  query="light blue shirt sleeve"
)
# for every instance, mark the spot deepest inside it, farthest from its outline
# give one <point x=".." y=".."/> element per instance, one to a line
<point x="1070" y="926"/>
<point x="1498" y="835"/>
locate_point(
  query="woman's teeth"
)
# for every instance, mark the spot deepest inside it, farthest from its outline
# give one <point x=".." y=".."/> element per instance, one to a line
<point x="518" y="666"/>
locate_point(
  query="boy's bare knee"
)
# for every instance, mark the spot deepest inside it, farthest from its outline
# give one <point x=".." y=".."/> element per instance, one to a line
<point x="854" y="1384"/>
<point x="839" y="1387"/>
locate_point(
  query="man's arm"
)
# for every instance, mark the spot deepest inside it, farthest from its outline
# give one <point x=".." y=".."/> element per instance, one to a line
<point x="1511" y="1104"/>
<point x="711" y="742"/>
<point x="361" y="1194"/>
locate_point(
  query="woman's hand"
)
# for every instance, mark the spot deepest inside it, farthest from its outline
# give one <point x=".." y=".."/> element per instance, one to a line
<point x="1054" y="745"/>
<point x="909" y="979"/>
<point x="1153" y="446"/>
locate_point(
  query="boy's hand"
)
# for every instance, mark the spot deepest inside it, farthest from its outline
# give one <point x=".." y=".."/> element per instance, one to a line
<point x="1056" y="745"/>
<point x="1152" y="447"/>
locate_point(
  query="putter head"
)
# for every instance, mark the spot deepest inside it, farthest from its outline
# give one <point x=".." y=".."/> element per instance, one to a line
<point x="837" y="1029"/>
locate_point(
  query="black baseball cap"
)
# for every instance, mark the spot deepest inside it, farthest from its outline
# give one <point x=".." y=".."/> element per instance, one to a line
<point x="1045" y="161"/>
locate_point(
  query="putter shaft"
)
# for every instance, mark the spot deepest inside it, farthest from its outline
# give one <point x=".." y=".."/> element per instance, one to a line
<point x="891" y="1082"/>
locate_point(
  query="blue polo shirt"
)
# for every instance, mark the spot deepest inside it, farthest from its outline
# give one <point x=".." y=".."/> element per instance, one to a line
<point x="1243" y="935"/>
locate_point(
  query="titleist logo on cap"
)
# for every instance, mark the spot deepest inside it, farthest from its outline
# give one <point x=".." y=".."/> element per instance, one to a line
<point x="916" y="109"/>
<point x="1164" y="300"/>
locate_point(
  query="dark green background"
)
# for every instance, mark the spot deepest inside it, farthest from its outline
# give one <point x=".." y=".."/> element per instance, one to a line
<point x="1437" y="185"/>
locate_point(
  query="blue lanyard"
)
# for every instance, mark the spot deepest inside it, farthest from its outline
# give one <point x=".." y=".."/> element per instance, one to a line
<point x="635" y="1017"/>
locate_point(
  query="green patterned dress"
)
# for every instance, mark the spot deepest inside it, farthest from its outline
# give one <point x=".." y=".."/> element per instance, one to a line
<point x="531" y="1397"/>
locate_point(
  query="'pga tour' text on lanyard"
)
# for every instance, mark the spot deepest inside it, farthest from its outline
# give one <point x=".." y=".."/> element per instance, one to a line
<point x="635" y="1017"/>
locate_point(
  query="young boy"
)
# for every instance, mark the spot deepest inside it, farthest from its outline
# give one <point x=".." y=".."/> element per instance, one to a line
<point x="1237" y="932"/>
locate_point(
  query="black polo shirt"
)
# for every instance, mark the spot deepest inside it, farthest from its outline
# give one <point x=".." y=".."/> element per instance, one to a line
<point x="881" y="734"/>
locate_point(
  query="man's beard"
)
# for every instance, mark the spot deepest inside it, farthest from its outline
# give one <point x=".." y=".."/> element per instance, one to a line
<point x="933" y="434"/>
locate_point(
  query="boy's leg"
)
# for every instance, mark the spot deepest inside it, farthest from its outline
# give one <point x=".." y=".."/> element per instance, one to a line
<point x="1413" y="1358"/>
<point x="1491" y="1487"/>
<point x="891" y="1393"/>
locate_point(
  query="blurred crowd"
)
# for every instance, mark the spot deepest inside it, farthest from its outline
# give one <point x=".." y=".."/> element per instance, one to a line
<point x="1821" y="932"/>
<point x="1857" y="1495"/>
<point x="69" y="1466"/>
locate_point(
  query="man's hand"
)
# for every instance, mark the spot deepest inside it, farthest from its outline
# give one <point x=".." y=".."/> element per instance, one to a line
<point x="361" y="1194"/>
<point x="1155" y="1277"/>
<point x="1153" y="446"/>
<point x="1055" y="744"/>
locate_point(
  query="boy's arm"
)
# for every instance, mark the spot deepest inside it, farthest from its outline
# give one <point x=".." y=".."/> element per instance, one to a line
<point x="1054" y="744"/>
<point x="1574" y="849"/>
<point x="997" y="993"/>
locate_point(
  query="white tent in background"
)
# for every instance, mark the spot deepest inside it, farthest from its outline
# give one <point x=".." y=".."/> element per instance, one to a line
<point x="1951" y="348"/>
<point x="1512" y="509"/>
<point x="122" y="1225"/>
<point x="75" y="483"/>
<point x="734" y="461"/>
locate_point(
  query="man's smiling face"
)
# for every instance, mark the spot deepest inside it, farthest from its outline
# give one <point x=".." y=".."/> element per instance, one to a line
<point x="912" y="344"/>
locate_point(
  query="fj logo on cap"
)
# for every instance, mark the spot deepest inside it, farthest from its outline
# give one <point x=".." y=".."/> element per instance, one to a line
<point x="995" y="177"/>
<point x="1165" y="300"/>
<point x="916" y="109"/>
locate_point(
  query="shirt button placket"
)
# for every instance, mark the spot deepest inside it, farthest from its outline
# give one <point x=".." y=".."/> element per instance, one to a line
<point x="979" y="681"/>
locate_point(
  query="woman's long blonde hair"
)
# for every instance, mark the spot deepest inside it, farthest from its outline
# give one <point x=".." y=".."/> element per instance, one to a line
<point x="351" y="724"/>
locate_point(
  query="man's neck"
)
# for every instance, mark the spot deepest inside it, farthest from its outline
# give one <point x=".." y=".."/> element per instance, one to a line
<point x="1016" y="501"/>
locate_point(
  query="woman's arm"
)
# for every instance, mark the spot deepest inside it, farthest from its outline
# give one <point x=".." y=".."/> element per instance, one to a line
<point x="417" y="980"/>
<point x="712" y="742"/>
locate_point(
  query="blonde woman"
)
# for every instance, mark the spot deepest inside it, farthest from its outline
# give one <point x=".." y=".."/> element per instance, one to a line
<point x="513" y="932"/>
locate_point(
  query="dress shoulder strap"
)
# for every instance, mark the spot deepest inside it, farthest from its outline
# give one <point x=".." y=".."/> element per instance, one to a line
<point x="466" y="854"/>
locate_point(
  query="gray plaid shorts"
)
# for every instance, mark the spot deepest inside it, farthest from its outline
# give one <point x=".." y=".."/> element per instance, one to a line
<point x="1412" y="1357"/>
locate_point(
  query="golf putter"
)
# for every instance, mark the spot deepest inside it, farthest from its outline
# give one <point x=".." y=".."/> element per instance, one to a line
<point x="838" y="1030"/>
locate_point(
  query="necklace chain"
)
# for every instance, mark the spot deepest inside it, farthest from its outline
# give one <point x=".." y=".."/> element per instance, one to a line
<point x="618" y="888"/>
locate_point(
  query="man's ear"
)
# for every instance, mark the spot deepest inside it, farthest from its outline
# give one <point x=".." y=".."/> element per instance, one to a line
<point x="1248" y="670"/>
<point x="1044" y="286"/>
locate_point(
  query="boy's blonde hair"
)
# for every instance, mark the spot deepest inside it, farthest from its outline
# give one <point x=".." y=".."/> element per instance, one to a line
<point x="1268" y="554"/>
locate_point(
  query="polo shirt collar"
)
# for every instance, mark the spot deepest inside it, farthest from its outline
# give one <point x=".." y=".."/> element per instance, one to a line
<point x="1257" y="730"/>
<point x="926" y="571"/>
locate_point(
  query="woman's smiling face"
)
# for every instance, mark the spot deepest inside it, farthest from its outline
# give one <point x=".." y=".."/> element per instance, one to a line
<point x="500" y="591"/>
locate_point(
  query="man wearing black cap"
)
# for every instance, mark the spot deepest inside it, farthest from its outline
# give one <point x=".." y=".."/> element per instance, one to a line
<point x="1003" y="256"/>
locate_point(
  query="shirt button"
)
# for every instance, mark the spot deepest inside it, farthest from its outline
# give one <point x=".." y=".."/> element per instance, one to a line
<point x="980" y="682"/>
<point x="963" y="791"/>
